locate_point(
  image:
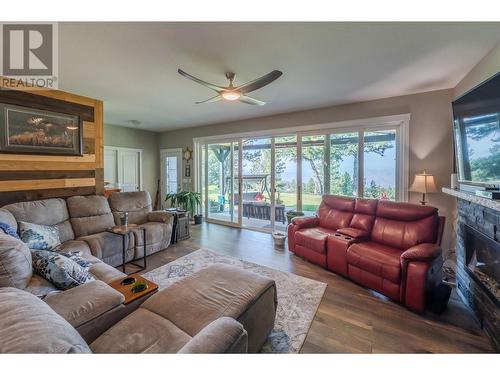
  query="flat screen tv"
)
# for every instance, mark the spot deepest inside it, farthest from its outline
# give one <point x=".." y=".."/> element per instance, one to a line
<point x="476" y="129"/>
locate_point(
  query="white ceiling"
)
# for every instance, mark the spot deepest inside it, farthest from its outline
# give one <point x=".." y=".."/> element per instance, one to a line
<point x="133" y="66"/>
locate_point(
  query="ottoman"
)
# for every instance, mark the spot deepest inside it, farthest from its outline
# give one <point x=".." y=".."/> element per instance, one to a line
<point x="220" y="291"/>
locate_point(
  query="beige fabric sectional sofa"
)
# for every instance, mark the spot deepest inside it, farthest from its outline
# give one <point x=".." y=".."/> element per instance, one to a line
<point x="220" y="309"/>
<point x="231" y="310"/>
<point x="82" y="222"/>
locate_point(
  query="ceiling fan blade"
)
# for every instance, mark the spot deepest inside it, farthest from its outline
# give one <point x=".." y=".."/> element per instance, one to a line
<point x="259" y="82"/>
<point x="249" y="100"/>
<point x="216" y="98"/>
<point x="201" y="82"/>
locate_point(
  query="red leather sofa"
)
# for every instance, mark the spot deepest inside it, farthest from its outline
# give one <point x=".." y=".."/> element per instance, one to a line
<point x="390" y="247"/>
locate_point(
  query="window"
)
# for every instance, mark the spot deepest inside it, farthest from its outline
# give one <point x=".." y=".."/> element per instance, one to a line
<point x="379" y="159"/>
<point x="313" y="172"/>
<point x="292" y="169"/>
<point x="344" y="164"/>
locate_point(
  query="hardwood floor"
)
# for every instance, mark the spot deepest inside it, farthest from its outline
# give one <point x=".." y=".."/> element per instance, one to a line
<point x="350" y="318"/>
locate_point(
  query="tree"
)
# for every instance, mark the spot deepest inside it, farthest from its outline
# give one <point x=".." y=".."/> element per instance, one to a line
<point x="346" y="185"/>
<point x="310" y="186"/>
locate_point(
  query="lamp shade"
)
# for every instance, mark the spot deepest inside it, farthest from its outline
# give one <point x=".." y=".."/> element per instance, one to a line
<point x="424" y="183"/>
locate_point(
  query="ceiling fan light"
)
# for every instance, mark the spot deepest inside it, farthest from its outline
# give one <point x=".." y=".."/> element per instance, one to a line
<point x="231" y="95"/>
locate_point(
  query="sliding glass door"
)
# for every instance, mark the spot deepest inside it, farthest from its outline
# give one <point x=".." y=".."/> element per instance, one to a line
<point x="285" y="173"/>
<point x="257" y="199"/>
<point x="221" y="181"/>
<point x="312" y="173"/>
<point x="255" y="181"/>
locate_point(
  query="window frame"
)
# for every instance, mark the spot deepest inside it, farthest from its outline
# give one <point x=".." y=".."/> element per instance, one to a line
<point x="400" y="123"/>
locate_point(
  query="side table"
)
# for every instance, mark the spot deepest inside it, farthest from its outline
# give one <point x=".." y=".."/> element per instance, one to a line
<point x="123" y="231"/>
<point x="180" y="228"/>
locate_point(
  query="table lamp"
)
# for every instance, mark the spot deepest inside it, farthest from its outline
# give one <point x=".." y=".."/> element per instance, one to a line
<point x="424" y="183"/>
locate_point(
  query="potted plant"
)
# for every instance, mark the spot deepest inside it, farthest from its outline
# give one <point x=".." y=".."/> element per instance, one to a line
<point x="293" y="213"/>
<point x="187" y="200"/>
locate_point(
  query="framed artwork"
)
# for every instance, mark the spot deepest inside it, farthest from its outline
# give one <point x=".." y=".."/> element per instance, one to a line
<point x="33" y="131"/>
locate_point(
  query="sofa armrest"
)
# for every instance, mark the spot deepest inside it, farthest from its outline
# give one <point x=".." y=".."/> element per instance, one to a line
<point x="424" y="252"/>
<point x="85" y="302"/>
<point x="305" y="222"/>
<point x="355" y="233"/>
<point x="421" y="270"/>
<point x="224" y="335"/>
<point x="161" y="217"/>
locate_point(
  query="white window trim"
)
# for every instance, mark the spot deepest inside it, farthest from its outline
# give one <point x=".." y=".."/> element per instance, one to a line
<point x="138" y="150"/>
<point x="401" y="122"/>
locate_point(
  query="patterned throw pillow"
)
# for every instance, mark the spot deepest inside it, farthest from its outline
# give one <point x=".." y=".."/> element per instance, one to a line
<point x="39" y="237"/>
<point x="77" y="257"/>
<point x="60" y="270"/>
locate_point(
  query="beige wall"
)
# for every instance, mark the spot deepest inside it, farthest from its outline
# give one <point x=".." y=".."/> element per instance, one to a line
<point x="120" y="136"/>
<point x="487" y="67"/>
<point x="430" y="134"/>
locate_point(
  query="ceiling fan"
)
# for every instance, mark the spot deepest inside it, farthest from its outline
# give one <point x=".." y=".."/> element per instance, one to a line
<point x="233" y="93"/>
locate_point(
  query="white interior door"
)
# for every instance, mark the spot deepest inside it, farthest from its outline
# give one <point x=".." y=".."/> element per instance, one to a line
<point x="171" y="172"/>
<point x="123" y="168"/>
<point x="111" y="167"/>
<point x="129" y="167"/>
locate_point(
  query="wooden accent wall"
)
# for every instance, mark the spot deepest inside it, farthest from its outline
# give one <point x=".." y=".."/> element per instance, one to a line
<point x="31" y="177"/>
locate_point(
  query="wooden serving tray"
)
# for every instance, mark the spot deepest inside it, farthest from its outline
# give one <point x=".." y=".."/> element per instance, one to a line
<point x="126" y="290"/>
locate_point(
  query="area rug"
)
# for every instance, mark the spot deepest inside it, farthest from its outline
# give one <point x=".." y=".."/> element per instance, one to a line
<point x="298" y="297"/>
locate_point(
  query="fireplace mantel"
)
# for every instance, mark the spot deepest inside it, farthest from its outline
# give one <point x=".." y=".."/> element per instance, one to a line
<point x="470" y="197"/>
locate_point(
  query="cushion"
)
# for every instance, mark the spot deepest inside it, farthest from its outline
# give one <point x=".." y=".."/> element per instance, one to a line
<point x="215" y="291"/>
<point x="39" y="236"/>
<point x="108" y="246"/>
<point x="404" y="225"/>
<point x="9" y="230"/>
<point x="7" y="218"/>
<point x="158" y="237"/>
<point x="335" y="212"/>
<point x="60" y="270"/>
<point x="77" y="257"/>
<point x="142" y="331"/>
<point x="15" y="262"/>
<point x="74" y="245"/>
<point x="40" y="287"/>
<point x="313" y="238"/>
<point x="89" y="214"/>
<point x="47" y="212"/>
<point x="224" y="335"/>
<point x="86" y="302"/>
<point x="29" y="325"/>
<point x="380" y="260"/>
<point x="136" y="203"/>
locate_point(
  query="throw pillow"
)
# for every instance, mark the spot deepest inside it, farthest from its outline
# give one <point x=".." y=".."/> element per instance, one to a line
<point x="60" y="270"/>
<point x="77" y="257"/>
<point x="38" y="236"/>
<point x="8" y="230"/>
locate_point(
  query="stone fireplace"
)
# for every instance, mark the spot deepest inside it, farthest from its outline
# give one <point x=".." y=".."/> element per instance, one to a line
<point x="478" y="259"/>
<point x="482" y="261"/>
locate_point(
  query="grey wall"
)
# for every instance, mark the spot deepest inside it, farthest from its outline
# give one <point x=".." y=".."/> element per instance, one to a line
<point x="430" y="135"/>
<point x="487" y="67"/>
<point x="120" y="136"/>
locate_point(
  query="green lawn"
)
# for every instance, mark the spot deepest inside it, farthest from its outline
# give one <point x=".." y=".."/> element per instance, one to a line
<point x="309" y="202"/>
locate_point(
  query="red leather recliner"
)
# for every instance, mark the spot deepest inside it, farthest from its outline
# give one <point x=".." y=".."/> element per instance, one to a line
<point x="390" y="247"/>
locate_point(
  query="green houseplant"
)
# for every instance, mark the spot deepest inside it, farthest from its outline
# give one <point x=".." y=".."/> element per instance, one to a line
<point x="293" y="213"/>
<point x="187" y="200"/>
